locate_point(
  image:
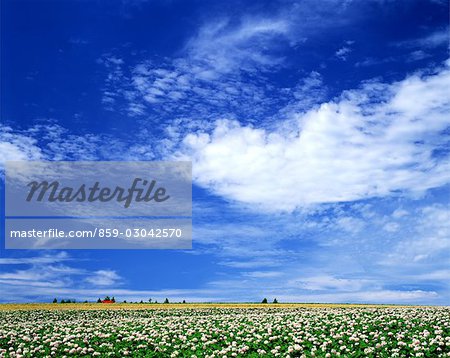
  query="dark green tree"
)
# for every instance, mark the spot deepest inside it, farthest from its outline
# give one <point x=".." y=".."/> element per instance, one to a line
<point x="275" y="300"/>
<point x="264" y="300"/>
<point x="55" y="300"/>
<point x="184" y="301"/>
<point x="113" y="299"/>
<point x="166" y="300"/>
<point x="99" y="301"/>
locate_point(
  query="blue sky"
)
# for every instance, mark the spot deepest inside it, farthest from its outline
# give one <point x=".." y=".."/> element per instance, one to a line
<point x="318" y="133"/>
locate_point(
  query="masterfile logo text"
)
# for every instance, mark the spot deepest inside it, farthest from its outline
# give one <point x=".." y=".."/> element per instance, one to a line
<point x="133" y="204"/>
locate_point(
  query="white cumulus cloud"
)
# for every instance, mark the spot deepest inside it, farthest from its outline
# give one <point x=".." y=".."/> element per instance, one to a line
<point x="370" y="142"/>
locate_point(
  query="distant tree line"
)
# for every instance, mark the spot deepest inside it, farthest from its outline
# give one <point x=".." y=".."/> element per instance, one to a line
<point x="150" y="300"/>
<point x="113" y="300"/>
<point x="64" y="301"/>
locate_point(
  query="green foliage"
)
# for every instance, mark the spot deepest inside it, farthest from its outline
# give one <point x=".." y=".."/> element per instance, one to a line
<point x="380" y="332"/>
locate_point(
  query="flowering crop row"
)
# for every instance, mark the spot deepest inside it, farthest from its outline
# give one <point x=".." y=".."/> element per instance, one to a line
<point x="227" y="332"/>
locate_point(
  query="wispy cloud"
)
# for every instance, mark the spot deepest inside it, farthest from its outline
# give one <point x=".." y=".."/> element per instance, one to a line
<point x="343" y="53"/>
<point x="104" y="278"/>
<point x="327" y="283"/>
<point x="50" y="141"/>
<point x="15" y="146"/>
<point x="222" y="47"/>
<point x="224" y="68"/>
<point x="50" y="275"/>
<point x="432" y="40"/>
<point x="44" y="259"/>
<point x="308" y="257"/>
<point x="429" y="243"/>
<point x="207" y="73"/>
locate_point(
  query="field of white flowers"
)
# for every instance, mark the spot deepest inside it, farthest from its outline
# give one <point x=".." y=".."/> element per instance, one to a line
<point x="227" y="332"/>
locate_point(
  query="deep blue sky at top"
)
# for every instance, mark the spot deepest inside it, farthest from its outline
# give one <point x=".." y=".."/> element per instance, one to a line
<point x="342" y="202"/>
<point x="51" y="49"/>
